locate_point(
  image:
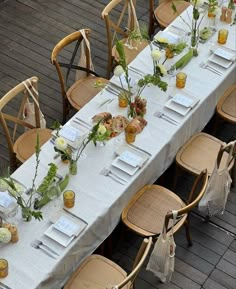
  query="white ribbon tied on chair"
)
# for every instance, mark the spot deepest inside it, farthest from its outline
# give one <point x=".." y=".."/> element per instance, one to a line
<point x="162" y="259"/>
<point x="82" y="61"/>
<point x="29" y="110"/>
<point x="214" y="200"/>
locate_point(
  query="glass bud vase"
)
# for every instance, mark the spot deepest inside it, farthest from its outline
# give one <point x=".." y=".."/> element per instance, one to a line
<point x="26" y="213"/>
<point x="194" y="42"/>
<point x="73" y="167"/>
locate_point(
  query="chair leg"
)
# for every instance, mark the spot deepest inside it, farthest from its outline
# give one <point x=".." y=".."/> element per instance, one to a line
<point x="187" y="232"/>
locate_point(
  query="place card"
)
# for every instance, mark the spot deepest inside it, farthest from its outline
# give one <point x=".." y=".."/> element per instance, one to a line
<point x="131" y="159"/>
<point x="67" y="226"/>
<point x="224" y="53"/>
<point x="69" y="133"/>
<point x="5" y="200"/>
<point x="183" y="100"/>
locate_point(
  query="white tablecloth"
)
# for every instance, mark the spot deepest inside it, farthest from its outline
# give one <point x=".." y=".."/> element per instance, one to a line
<point x="99" y="199"/>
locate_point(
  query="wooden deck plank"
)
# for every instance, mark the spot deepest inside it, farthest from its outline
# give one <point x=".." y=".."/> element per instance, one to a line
<point x="223" y="279"/>
<point x="211" y="284"/>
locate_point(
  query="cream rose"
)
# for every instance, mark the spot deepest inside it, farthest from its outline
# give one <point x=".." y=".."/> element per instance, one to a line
<point x="156" y="55"/>
<point x="118" y="71"/>
<point x="5" y="235"/>
<point x="162" y="39"/>
<point x="102" y="129"/>
<point x="60" y="143"/>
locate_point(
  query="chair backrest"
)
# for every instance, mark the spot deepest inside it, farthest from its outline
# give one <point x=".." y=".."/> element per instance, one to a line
<point x="12" y="106"/>
<point x="228" y="148"/>
<point x="66" y="56"/>
<point x="226" y="107"/>
<point x="195" y="196"/>
<point x="120" y="18"/>
<point x="138" y="262"/>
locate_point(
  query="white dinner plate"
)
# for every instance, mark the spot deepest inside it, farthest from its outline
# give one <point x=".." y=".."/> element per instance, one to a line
<point x="220" y="61"/>
<point x="130" y="170"/>
<point x="182" y="103"/>
<point x="226" y="54"/>
<point x="131" y="159"/>
<point x="58" y="236"/>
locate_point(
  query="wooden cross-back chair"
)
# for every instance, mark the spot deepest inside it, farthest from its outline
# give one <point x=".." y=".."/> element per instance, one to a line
<point x="120" y="20"/>
<point x="226" y="106"/>
<point x="149" y="208"/>
<point x="99" y="272"/>
<point x="21" y="136"/>
<point x="75" y="93"/>
<point x="162" y="15"/>
<point x="199" y="152"/>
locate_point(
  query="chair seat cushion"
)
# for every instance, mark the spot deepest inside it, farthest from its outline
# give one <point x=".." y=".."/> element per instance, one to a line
<point x="24" y="146"/>
<point x="165" y="14"/>
<point x="96" y="272"/>
<point x="200" y="152"/>
<point x="83" y="90"/>
<point x="145" y="214"/>
<point x="130" y="53"/>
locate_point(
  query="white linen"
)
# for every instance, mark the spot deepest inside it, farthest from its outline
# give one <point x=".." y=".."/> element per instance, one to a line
<point x="100" y="200"/>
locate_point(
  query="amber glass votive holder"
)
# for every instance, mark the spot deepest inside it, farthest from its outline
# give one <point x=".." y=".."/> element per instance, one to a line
<point x="3" y="268"/>
<point x="69" y="199"/>
<point x="222" y="36"/>
<point x="130" y="133"/>
<point x="181" y="79"/>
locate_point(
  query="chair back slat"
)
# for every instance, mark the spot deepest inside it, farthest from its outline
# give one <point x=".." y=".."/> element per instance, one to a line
<point x="12" y="106"/>
<point x="195" y="196"/>
<point x="120" y="19"/>
<point x="138" y="262"/>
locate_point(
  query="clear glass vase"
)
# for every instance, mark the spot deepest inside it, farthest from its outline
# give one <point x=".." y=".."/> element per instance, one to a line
<point x="73" y="167"/>
<point x="194" y="41"/>
<point x="26" y="213"/>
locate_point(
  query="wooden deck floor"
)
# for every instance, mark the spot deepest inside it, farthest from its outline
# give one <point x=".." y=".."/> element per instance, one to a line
<point x="29" y="29"/>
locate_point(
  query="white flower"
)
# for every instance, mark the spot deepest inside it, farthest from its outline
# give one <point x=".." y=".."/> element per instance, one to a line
<point x="156" y="55"/>
<point x="5" y="235"/>
<point x="118" y="71"/>
<point x="60" y="143"/>
<point x="162" y="40"/>
<point x="102" y="129"/>
<point x="162" y="69"/>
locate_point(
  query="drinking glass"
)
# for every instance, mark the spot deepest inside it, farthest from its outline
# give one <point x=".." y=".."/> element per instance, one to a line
<point x="69" y="199"/>
<point x="3" y="268"/>
<point x="222" y="36"/>
<point x="181" y="79"/>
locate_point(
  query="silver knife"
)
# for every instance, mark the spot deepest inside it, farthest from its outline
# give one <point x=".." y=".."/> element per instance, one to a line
<point x="139" y="149"/>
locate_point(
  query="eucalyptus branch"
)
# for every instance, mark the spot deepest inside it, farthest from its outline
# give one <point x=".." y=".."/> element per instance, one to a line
<point x="37" y="153"/>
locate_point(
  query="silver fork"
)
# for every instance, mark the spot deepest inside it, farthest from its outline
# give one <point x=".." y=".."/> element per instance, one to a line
<point x="109" y="173"/>
<point x="160" y="114"/>
<point x="204" y="65"/>
<point x="40" y="243"/>
<point x="136" y="70"/>
<point x="36" y="246"/>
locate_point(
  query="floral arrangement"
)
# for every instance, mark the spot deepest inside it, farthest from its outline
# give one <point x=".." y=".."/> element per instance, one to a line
<point x="138" y="106"/>
<point x="196" y="22"/>
<point x="98" y="133"/>
<point x="212" y="8"/>
<point x="25" y="204"/>
<point x="62" y="148"/>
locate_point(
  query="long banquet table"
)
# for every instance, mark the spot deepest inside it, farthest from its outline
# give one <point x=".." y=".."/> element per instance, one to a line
<point x="99" y="199"/>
